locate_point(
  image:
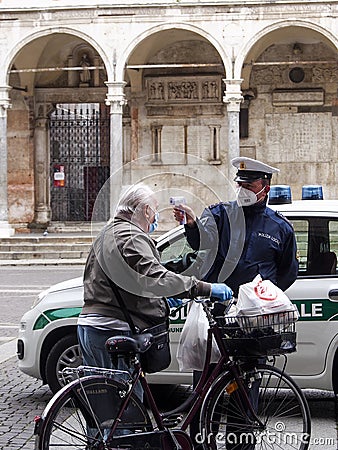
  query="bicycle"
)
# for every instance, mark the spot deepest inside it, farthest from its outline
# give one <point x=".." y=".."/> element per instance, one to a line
<point x="241" y="402"/>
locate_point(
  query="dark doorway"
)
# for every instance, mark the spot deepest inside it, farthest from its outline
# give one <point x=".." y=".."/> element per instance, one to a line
<point x="79" y="143"/>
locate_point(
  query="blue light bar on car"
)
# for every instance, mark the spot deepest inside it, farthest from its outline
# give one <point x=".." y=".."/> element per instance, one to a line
<point x="312" y="192"/>
<point x="280" y="194"/>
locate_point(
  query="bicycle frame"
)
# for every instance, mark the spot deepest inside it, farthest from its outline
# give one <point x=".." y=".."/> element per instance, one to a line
<point x="195" y="400"/>
<point x="224" y="364"/>
<point x="94" y="409"/>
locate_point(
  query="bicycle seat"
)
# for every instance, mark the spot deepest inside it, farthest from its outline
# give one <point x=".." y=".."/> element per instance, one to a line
<point x="138" y="343"/>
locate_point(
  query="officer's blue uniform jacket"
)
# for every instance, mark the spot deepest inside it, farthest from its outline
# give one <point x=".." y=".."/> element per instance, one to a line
<point x="239" y="243"/>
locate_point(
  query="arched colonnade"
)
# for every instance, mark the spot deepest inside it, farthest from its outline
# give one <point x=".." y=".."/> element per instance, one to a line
<point x="182" y="98"/>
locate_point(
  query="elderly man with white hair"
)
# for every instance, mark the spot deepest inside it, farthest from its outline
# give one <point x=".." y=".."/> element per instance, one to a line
<point x="124" y="257"/>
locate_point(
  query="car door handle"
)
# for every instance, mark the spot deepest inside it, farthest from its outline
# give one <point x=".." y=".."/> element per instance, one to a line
<point x="333" y="294"/>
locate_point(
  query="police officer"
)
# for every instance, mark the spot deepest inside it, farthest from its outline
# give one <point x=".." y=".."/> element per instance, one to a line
<point x="243" y="238"/>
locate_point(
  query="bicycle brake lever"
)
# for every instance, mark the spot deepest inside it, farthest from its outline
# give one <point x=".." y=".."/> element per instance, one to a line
<point x="232" y="301"/>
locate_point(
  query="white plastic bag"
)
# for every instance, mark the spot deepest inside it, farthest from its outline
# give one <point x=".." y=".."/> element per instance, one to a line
<point x="263" y="297"/>
<point x="193" y="340"/>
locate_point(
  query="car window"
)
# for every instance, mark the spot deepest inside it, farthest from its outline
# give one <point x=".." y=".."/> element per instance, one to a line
<point x="176" y="254"/>
<point x="317" y="245"/>
<point x="333" y="231"/>
<point x="301" y="228"/>
<point x="175" y="249"/>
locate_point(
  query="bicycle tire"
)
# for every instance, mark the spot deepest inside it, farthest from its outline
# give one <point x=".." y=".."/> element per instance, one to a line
<point x="280" y="405"/>
<point x="81" y="414"/>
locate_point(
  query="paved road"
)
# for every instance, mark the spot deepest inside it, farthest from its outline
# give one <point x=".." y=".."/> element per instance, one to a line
<point x="19" y="287"/>
<point x="21" y="397"/>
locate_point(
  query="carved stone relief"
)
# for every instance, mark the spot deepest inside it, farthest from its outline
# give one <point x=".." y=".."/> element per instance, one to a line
<point x="155" y="90"/>
<point x="325" y="74"/>
<point x="180" y="96"/>
<point x="184" y="89"/>
<point x="268" y="75"/>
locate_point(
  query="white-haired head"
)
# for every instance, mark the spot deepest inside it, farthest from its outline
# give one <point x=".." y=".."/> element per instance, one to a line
<point x="139" y="205"/>
<point x="136" y="197"/>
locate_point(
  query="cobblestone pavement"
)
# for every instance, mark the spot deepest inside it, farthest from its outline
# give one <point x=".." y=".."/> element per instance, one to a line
<point x="21" y="399"/>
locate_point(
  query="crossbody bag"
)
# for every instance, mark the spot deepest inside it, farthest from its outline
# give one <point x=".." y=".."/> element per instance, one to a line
<point x="158" y="356"/>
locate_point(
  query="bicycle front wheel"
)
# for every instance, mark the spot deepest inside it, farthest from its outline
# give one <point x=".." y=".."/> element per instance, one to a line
<point x="81" y="414"/>
<point x="282" y="410"/>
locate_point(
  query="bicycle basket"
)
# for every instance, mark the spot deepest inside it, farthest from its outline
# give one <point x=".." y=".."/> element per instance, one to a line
<point x="256" y="336"/>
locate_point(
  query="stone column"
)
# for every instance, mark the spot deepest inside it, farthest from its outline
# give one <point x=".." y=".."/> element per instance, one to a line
<point x="42" y="213"/>
<point x="233" y="98"/>
<point x="5" y="229"/>
<point x="116" y="100"/>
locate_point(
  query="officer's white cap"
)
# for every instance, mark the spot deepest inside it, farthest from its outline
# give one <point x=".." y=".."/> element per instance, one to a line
<point x="249" y="169"/>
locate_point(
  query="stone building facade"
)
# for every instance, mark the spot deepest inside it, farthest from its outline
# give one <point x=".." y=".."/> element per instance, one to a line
<point x="164" y="92"/>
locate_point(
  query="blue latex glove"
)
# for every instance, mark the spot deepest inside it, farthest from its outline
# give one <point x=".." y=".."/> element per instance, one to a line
<point x="221" y="291"/>
<point x="174" y="302"/>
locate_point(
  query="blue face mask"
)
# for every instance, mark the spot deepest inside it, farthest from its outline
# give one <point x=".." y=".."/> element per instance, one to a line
<point x="153" y="226"/>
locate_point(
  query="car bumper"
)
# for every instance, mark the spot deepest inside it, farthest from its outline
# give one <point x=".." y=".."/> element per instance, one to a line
<point x="28" y="349"/>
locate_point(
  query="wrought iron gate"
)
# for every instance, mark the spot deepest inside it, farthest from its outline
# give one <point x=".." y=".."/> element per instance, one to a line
<point x="79" y="143"/>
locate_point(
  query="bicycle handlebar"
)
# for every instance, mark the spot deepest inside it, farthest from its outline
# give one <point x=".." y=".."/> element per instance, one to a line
<point x="207" y="301"/>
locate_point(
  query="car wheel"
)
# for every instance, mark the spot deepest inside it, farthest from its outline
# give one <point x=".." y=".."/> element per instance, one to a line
<point x="65" y="353"/>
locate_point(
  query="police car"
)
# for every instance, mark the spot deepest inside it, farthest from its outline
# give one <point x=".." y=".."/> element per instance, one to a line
<point x="47" y="338"/>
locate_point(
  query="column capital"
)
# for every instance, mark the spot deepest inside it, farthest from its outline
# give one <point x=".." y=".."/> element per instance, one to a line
<point x="5" y="101"/>
<point x="233" y="94"/>
<point x="116" y="97"/>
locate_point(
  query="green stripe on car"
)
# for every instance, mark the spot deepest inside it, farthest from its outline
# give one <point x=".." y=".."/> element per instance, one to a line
<point x="55" y="314"/>
<point x="313" y="310"/>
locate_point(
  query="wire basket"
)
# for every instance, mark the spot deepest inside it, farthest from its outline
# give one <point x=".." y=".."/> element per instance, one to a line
<point x="261" y="335"/>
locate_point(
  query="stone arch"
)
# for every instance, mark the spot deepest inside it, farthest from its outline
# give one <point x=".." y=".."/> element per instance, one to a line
<point x="10" y="57"/>
<point x="150" y="33"/>
<point x="38" y="86"/>
<point x="289" y="73"/>
<point x="176" y="109"/>
<point x="265" y="37"/>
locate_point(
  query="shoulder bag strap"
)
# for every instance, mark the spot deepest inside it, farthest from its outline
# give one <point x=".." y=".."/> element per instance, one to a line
<point x="123" y="306"/>
<point x="116" y="291"/>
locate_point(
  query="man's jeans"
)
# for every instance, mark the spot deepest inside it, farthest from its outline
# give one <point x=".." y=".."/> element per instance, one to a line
<point x="92" y="343"/>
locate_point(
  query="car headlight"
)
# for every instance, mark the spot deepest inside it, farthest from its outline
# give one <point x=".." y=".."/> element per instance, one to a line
<point x="23" y="325"/>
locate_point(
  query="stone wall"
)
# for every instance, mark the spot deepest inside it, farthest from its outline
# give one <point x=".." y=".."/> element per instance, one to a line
<point x="293" y="124"/>
<point x="185" y="69"/>
<point x="20" y="130"/>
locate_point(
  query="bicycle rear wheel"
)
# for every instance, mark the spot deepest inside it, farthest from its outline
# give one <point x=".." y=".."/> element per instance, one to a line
<point x="81" y="414"/>
<point x="226" y="423"/>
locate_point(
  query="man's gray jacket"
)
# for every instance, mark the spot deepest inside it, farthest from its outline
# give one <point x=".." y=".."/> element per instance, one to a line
<point x="127" y="255"/>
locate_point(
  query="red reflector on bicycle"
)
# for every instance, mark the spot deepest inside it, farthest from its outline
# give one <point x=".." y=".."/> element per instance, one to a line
<point x="231" y="387"/>
<point x="37" y="427"/>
